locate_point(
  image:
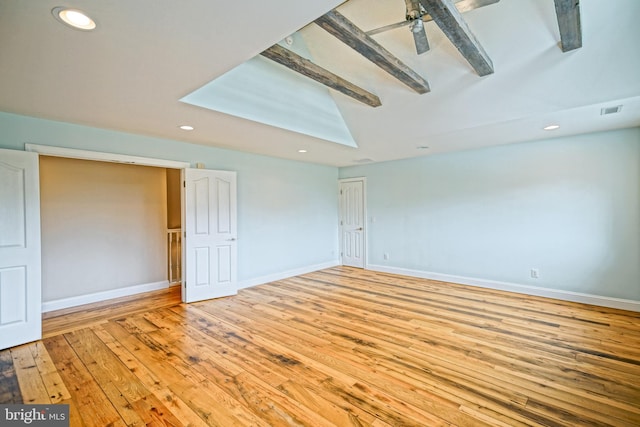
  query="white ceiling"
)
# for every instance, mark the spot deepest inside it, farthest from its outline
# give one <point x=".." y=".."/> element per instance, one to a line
<point x="130" y="73"/>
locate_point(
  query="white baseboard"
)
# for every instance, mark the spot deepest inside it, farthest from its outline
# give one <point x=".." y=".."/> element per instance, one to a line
<point x="60" y="304"/>
<point x="137" y="289"/>
<point x="286" y="274"/>
<point x="623" y="304"/>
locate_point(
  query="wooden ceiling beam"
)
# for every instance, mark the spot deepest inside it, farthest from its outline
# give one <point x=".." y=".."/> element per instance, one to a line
<point x="347" y="32"/>
<point x="568" y="14"/>
<point x="301" y="65"/>
<point x="451" y="22"/>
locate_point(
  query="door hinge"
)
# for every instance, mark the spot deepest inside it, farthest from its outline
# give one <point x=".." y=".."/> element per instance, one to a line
<point x="341" y="192"/>
<point x="184" y="184"/>
<point x="341" y="222"/>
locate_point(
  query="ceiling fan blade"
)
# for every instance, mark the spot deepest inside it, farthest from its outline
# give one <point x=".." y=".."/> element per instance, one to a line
<point x="420" y="37"/>
<point x="388" y="27"/>
<point x="461" y="5"/>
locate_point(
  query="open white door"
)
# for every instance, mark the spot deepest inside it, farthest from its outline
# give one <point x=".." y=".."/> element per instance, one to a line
<point x="210" y="242"/>
<point x="20" y="270"/>
<point x="352" y="222"/>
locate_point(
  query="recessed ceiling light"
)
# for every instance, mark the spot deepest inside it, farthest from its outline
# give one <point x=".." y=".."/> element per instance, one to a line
<point x="551" y="127"/>
<point x="74" y="18"/>
<point x="302" y="151"/>
<point x="186" y="127"/>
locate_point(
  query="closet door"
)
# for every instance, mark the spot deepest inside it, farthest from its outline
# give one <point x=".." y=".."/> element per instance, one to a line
<point x="210" y="244"/>
<point x="20" y="271"/>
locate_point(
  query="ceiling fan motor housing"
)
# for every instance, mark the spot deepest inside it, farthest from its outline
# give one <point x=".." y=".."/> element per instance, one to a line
<point x="414" y="10"/>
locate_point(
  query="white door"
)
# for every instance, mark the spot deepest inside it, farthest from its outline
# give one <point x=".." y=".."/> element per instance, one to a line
<point x="20" y="274"/>
<point x="210" y="240"/>
<point x="352" y="222"/>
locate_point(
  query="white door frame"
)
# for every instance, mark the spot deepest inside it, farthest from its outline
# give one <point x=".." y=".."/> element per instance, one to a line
<point x="73" y="153"/>
<point x="364" y="214"/>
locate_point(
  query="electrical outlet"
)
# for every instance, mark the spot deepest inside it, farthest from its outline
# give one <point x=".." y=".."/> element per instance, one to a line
<point x="535" y="273"/>
<point x="386" y="256"/>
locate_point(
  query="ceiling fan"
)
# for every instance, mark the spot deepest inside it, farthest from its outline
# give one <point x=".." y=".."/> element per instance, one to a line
<point x="416" y="15"/>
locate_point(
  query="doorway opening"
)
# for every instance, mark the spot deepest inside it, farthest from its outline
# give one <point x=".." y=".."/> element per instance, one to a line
<point x="208" y="219"/>
<point x="108" y="230"/>
<point x="174" y="227"/>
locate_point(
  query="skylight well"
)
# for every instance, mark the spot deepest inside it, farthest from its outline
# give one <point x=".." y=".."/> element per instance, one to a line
<point x="265" y="92"/>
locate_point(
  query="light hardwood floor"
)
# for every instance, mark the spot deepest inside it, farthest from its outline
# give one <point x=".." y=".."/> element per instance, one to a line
<point x="338" y="347"/>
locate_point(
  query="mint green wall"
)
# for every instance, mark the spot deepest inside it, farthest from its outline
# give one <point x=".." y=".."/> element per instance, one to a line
<point x="287" y="210"/>
<point x="569" y="207"/>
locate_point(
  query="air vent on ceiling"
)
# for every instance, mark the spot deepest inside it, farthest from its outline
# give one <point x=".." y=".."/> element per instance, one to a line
<point x="610" y="110"/>
<point x="363" y="161"/>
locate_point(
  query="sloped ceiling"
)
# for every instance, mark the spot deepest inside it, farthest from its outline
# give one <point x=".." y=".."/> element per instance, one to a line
<point x="131" y="73"/>
<point x="261" y="91"/>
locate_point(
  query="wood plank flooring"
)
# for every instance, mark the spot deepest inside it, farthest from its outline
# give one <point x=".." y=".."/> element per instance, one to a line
<point x="61" y="321"/>
<point x="338" y="347"/>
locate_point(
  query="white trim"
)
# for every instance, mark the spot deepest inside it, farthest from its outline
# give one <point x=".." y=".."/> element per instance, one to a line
<point x="286" y="274"/>
<point x="619" y="303"/>
<point x="101" y="296"/>
<point x="50" y="150"/>
<point x="73" y="153"/>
